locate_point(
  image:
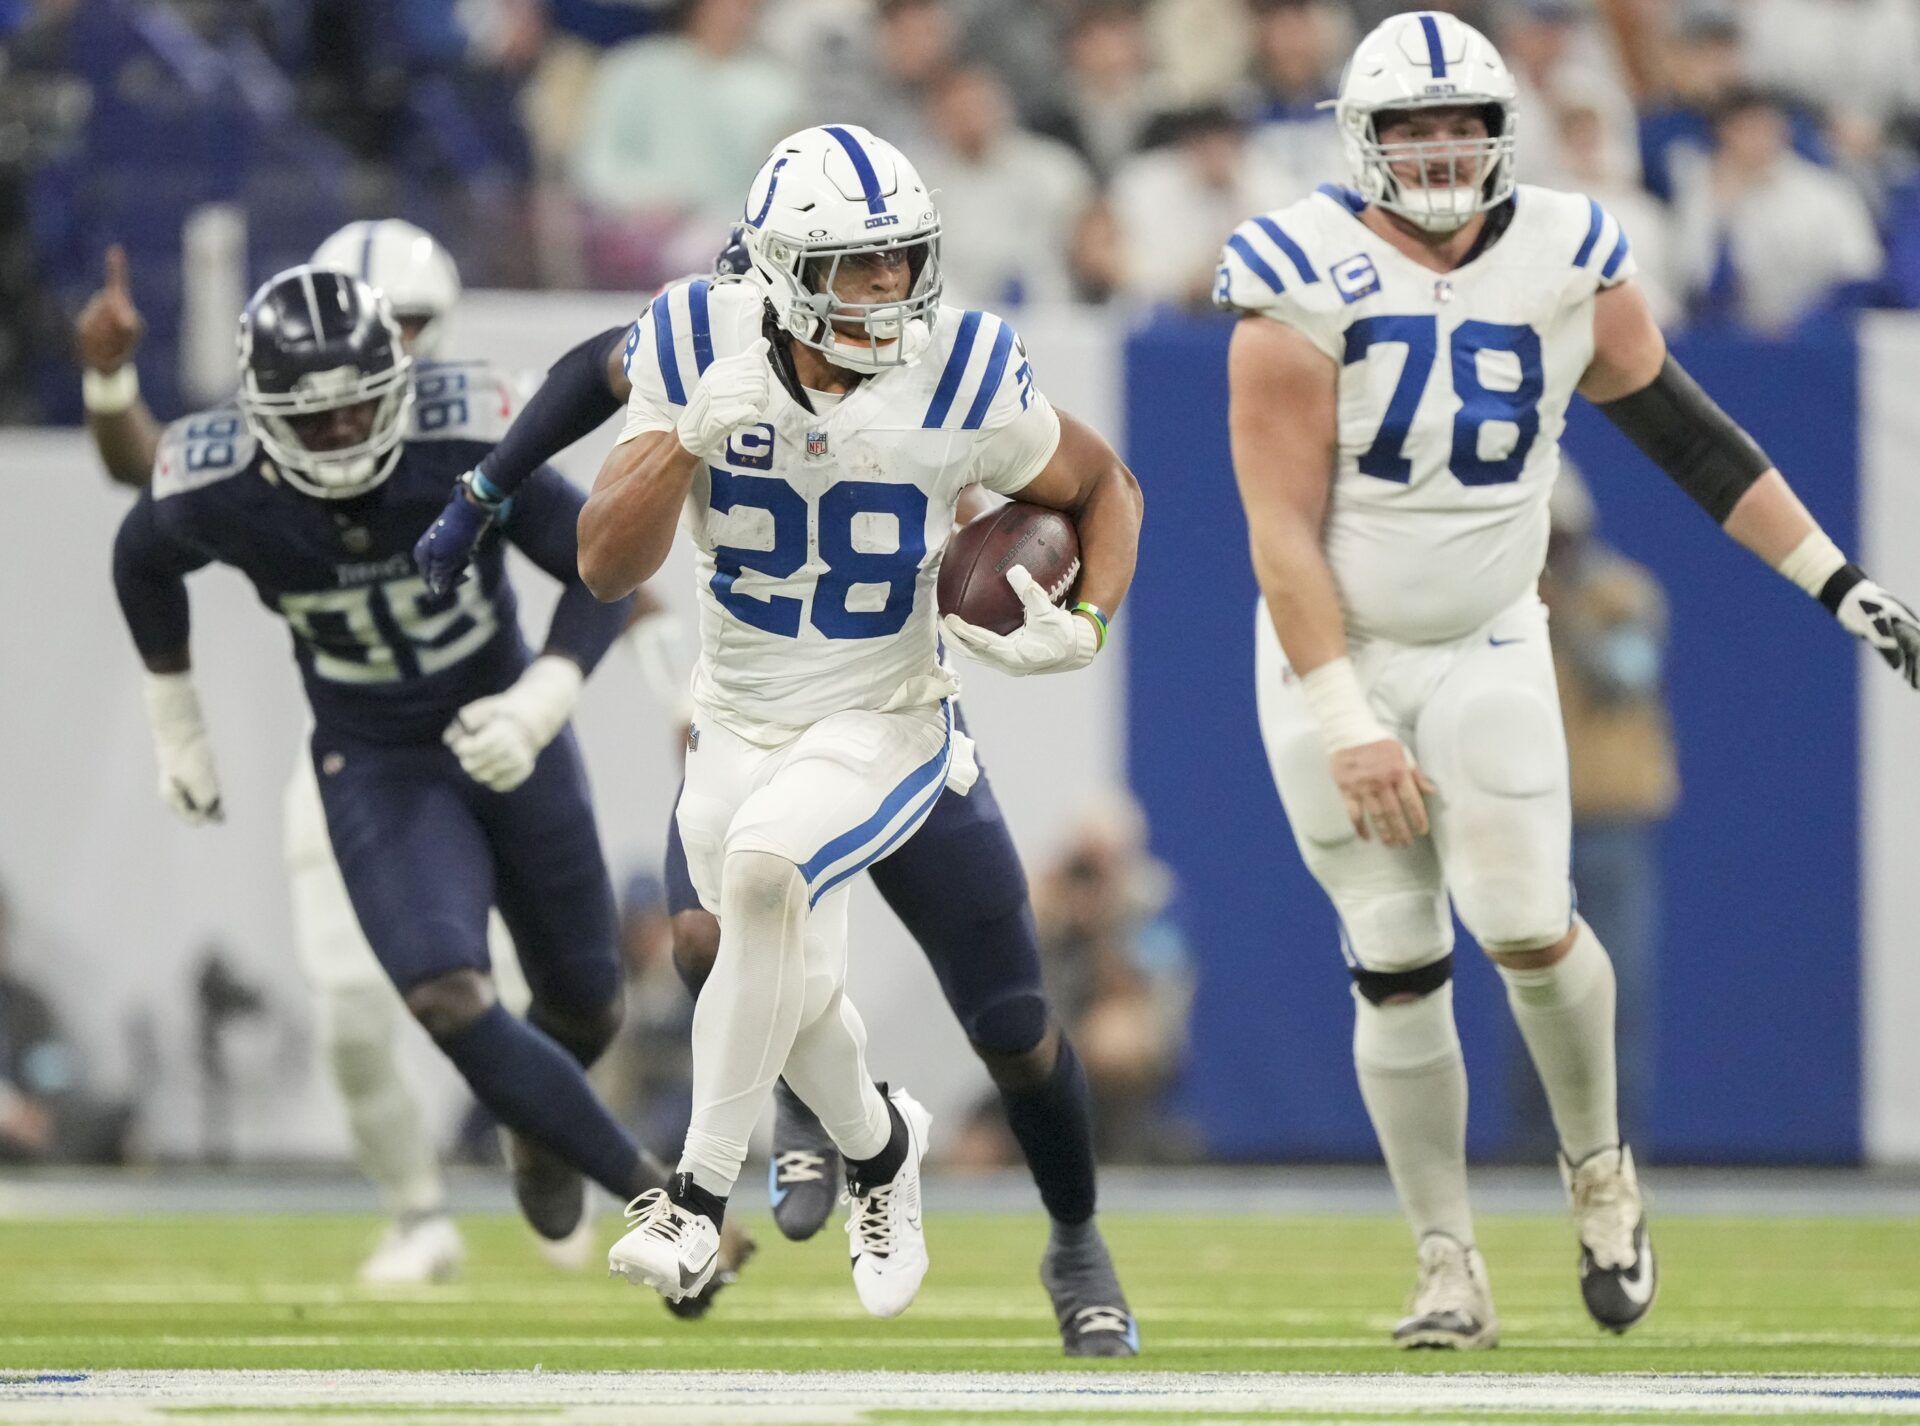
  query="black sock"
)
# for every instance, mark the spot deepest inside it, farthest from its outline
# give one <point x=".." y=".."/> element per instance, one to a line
<point x="864" y="1174"/>
<point x="1054" y="1125"/>
<point x="537" y="1089"/>
<point x="684" y="1191"/>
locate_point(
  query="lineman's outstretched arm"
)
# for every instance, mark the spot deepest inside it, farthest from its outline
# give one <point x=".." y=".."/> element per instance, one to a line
<point x="107" y="335"/>
<point x="1645" y="392"/>
<point x="1283" y="418"/>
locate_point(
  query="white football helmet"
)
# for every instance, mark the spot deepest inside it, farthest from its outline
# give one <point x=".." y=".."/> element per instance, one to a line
<point x="404" y="264"/>
<point x="1427" y="60"/>
<point x="828" y="196"/>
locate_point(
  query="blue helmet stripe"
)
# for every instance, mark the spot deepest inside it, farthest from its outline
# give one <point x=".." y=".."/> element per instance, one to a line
<point x="1615" y="258"/>
<point x="366" y="250"/>
<point x="862" y="167"/>
<point x="663" y="348"/>
<point x="990" y="383"/>
<point x="1255" y="263"/>
<point x="773" y="182"/>
<point x="1436" y="56"/>
<point x="702" y="327"/>
<point x="1594" y="219"/>
<point x="1295" y="254"/>
<point x="949" y="386"/>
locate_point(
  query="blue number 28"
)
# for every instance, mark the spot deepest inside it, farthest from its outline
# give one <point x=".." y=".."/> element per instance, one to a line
<point x="1479" y="403"/>
<point x="840" y="507"/>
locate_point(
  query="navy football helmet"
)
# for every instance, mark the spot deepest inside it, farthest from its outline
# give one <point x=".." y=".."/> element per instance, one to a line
<point x="326" y="385"/>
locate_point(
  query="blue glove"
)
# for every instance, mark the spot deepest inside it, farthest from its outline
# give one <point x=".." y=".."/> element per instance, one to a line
<point x="445" y="550"/>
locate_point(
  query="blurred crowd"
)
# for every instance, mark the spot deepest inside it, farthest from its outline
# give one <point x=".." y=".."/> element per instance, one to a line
<point x="1761" y="153"/>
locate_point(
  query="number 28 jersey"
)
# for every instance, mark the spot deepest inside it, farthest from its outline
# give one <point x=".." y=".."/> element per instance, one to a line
<point x="818" y="533"/>
<point x="1453" y="391"/>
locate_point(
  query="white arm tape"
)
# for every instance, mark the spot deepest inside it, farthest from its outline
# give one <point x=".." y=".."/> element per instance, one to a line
<point x="108" y="393"/>
<point x="1812" y="562"/>
<point x="1340" y="706"/>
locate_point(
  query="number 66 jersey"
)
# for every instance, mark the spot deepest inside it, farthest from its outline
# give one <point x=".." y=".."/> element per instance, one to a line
<point x="1453" y="391"/>
<point x="818" y="531"/>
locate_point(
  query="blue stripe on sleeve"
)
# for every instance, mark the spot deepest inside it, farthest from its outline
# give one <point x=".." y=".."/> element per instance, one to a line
<point x="862" y="167"/>
<point x="1594" y="219"/>
<point x="1615" y="258"/>
<point x="1256" y="264"/>
<point x="956" y="367"/>
<point x="1295" y="253"/>
<point x="663" y="348"/>
<point x="1436" y="56"/>
<point x="702" y="328"/>
<point x="990" y="383"/>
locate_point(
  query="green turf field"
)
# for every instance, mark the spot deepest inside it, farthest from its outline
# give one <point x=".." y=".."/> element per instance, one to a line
<point x="1241" y="1294"/>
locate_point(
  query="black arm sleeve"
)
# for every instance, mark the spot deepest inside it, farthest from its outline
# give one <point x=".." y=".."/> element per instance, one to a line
<point x="544" y="522"/>
<point x="149" y="576"/>
<point x="572" y="402"/>
<point x="1681" y="430"/>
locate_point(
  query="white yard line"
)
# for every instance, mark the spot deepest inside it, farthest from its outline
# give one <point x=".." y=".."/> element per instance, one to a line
<point x="752" y="1397"/>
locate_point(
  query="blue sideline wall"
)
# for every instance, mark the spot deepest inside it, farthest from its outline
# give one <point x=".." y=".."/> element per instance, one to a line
<point x="1757" y="1045"/>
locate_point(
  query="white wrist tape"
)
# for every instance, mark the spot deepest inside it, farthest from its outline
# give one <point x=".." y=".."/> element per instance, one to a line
<point x="1812" y="562"/>
<point x="108" y="393"/>
<point x="1340" y="706"/>
<point x="546" y="692"/>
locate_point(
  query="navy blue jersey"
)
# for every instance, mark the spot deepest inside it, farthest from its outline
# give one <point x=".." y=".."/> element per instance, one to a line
<point x="382" y="658"/>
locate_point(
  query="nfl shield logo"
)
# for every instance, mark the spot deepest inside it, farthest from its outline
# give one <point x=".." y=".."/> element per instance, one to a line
<point x="816" y="444"/>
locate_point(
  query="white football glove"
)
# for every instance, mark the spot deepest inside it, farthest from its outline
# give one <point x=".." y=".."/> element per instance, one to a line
<point x="499" y="738"/>
<point x="1868" y="612"/>
<point x="1052" y="640"/>
<point x="188" y="782"/>
<point x="733" y="392"/>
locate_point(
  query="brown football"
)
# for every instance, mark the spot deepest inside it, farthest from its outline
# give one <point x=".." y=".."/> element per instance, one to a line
<point x="973" y="573"/>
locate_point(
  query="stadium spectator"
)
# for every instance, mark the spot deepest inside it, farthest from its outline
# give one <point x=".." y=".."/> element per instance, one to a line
<point x="1013" y="204"/>
<point x="1590" y="157"/>
<point x="1298" y="54"/>
<point x="1201" y="46"/>
<point x="46" y="1115"/>
<point x="1173" y="205"/>
<point x="673" y="129"/>
<point x="1609" y="645"/>
<point x="646" y="1075"/>
<point x="1770" y="240"/>
<point x="1856" y="57"/>
<point x="1110" y="90"/>
<point x="1560" y="59"/>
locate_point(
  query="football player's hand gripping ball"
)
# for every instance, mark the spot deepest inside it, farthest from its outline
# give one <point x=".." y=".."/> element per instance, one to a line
<point x="1051" y="640"/>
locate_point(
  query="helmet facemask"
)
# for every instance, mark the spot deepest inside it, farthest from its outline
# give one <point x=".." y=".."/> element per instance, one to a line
<point x="1474" y="175"/>
<point x="803" y="279"/>
<point x="339" y="473"/>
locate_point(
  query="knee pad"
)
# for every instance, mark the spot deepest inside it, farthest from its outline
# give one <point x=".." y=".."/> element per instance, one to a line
<point x="585" y="1035"/>
<point x="1380" y="987"/>
<point x="1395" y="930"/>
<point x="447" y="1003"/>
<point x="1405" y="1037"/>
<point x="1514" y="913"/>
<point x="696" y="944"/>
<point x="1012" y="1026"/>
<point x="761" y="888"/>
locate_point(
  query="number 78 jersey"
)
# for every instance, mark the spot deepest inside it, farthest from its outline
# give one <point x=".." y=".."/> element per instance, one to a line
<point x="818" y="533"/>
<point x="1453" y="391"/>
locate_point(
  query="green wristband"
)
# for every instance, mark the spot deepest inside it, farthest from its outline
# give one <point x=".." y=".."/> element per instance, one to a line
<point x="1099" y="617"/>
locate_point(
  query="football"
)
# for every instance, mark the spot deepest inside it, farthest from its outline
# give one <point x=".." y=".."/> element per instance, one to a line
<point x="973" y="575"/>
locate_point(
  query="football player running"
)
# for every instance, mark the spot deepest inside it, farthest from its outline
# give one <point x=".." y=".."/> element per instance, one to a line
<point x="956" y="884"/>
<point x="1399" y="385"/>
<point x="448" y="775"/>
<point x="816" y="423"/>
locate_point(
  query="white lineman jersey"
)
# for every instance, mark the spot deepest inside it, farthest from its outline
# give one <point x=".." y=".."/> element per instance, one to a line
<point x="1453" y="392"/>
<point x="819" y="534"/>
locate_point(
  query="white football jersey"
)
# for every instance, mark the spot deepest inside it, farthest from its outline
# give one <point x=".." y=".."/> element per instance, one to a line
<point x="1453" y="391"/>
<point x="819" y="533"/>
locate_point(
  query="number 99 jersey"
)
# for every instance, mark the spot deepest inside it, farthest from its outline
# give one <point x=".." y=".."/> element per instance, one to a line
<point x="1453" y="391"/>
<point x="818" y="532"/>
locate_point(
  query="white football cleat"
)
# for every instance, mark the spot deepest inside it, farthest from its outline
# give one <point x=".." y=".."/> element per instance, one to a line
<point x="409" y="1254"/>
<point x="884" y="1236"/>
<point x="1618" y="1275"/>
<point x="1452" y="1305"/>
<point x="671" y="1249"/>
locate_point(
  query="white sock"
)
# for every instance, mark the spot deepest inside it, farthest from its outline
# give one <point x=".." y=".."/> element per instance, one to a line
<point x="390" y="1143"/>
<point x="828" y="1070"/>
<point x="1565" y="1014"/>
<point x="748" y="1013"/>
<point x="1414" y="1083"/>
